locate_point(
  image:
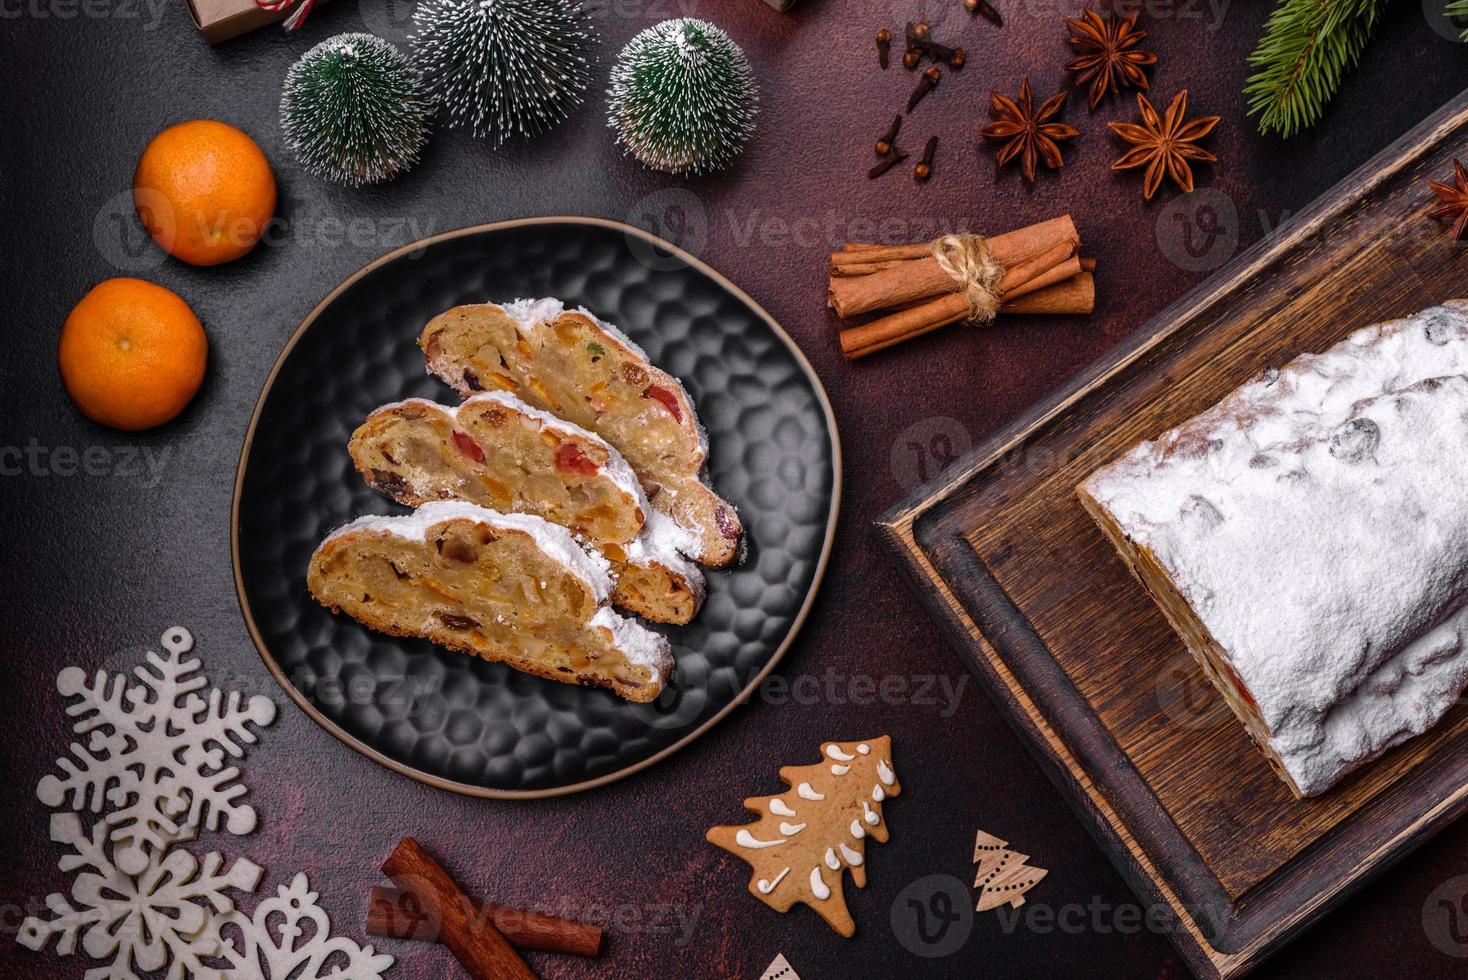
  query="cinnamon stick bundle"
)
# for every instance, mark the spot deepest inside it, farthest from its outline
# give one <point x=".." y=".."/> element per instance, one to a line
<point x="1043" y="272"/>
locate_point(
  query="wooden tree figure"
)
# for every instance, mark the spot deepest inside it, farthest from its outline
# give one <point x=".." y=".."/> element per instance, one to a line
<point x="805" y="836"/>
<point x="1003" y="874"/>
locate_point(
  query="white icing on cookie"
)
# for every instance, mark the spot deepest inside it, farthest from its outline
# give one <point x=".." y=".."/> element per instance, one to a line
<point x="853" y="858"/>
<point x="818" y="885"/>
<point x="745" y="839"/>
<point x="780" y="808"/>
<point x="868" y="814"/>
<point x="839" y="770"/>
<point x="831" y="861"/>
<point x="878" y="794"/>
<point x="791" y="829"/>
<point x="765" y="887"/>
<point x="884" y="772"/>
<point x="805" y="792"/>
<point x="863" y="748"/>
<point x="836" y="753"/>
<point x="857" y="830"/>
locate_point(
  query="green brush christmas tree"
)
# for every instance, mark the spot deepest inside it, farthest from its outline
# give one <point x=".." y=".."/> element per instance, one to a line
<point x="683" y="97"/>
<point x="351" y="112"/>
<point x="503" y="68"/>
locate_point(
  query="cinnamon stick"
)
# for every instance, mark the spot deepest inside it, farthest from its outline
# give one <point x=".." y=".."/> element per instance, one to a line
<point x="903" y="325"/>
<point x="1076" y="294"/>
<point x="475" y="942"/>
<point x="400" y="915"/>
<point x="1037" y="273"/>
<point x="865" y="268"/>
<point x="1038" y="235"/>
<point x="922" y="278"/>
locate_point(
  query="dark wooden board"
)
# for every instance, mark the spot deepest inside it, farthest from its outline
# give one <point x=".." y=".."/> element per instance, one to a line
<point x="1083" y="662"/>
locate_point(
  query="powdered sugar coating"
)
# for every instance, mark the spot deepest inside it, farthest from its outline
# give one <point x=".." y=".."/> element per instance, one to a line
<point x="1316" y="521"/>
<point x="638" y="644"/>
<point x="529" y="312"/>
<point x="552" y="539"/>
<point x="664" y="542"/>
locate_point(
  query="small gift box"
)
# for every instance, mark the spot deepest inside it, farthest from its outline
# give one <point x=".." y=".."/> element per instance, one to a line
<point x="220" y="20"/>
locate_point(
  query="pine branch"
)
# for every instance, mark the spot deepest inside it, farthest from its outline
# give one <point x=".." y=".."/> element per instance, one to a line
<point x="1307" y="48"/>
<point x="1455" y="10"/>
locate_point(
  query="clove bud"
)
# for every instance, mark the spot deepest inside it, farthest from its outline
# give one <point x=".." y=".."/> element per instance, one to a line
<point x="887" y="163"/>
<point x="919" y="44"/>
<point x="984" y="9"/>
<point x="926" y="84"/>
<point x="924" y="168"/>
<point x="884" y="47"/>
<point x="887" y="140"/>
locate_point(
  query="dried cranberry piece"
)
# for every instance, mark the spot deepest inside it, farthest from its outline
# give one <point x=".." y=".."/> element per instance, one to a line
<point x="570" y="459"/>
<point x="472" y="380"/>
<point x="665" y="398"/>
<point x="456" y="622"/>
<point x="728" y="527"/>
<point x="468" y="447"/>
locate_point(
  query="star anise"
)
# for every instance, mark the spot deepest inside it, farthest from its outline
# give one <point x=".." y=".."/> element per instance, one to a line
<point x="1110" y="59"/>
<point x="1452" y="200"/>
<point x="1027" y="134"/>
<point x="1164" y="145"/>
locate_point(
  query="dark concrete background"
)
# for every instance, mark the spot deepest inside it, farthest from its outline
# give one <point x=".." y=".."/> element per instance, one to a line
<point x="98" y="566"/>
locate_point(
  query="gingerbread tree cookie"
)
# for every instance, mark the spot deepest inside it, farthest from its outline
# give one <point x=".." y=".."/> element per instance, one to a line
<point x="805" y="836"/>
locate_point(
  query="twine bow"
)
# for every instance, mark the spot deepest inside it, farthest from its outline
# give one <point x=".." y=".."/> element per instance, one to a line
<point x="297" y="17"/>
<point x="966" y="258"/>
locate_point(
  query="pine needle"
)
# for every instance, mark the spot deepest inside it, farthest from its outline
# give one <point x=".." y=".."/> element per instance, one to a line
<point x="1307" y="48"/>
<point x="1456" y="10"/>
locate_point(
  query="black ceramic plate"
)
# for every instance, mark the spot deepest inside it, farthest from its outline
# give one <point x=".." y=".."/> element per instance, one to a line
<point x="456" y="721"/>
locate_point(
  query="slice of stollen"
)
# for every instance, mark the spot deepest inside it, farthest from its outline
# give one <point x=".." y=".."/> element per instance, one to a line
<point x="498" y="452"/>
<point x="510" y="588"/>
<point x="588" y="372"/>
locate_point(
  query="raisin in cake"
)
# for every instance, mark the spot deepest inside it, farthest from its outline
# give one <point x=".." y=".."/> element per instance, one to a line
<point x="588" y="372"/>
<point x="1308" y="538"/>
<point x="498" y="452"/>
<point x="510" y="588"/>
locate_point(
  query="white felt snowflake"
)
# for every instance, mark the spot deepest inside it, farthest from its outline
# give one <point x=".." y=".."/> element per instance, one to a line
<point x="154" y="759"/>
<point x="299" y="945"/>
<point x="160" y="916"/>
<point x="153" y="773"/>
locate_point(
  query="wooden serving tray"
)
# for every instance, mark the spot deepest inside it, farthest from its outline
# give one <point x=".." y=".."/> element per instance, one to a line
<point x="1082" y="661"/>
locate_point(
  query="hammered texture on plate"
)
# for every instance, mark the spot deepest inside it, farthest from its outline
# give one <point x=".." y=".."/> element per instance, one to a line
<point x="454" y="717"/>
